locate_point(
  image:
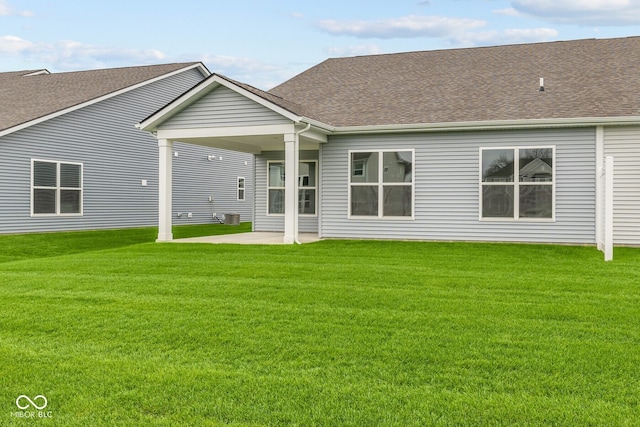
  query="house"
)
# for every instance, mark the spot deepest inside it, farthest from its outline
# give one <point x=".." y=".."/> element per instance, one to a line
<point x="505" y="143"/>
<point x="73" y="159"/>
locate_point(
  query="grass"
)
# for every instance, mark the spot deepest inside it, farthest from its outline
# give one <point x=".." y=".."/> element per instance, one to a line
<point x="334" y="333"/>
<point x="25" y="246"/>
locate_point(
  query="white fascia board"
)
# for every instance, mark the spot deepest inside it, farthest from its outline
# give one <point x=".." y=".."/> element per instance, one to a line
<point x="488" y="125"/>
<point x="187" y="99"/>
<point x="30" y="123"/>
<point x="37" y="73"/>
<point x="151" y="123"/>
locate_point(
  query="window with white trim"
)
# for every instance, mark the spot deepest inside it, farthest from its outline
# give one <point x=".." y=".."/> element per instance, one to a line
<point x="241" y="182"/>
<point x="56" y="188"/>
<point x="381" y="183"/>
<point x="307" y="187"/>
<point x="517" y="183"/>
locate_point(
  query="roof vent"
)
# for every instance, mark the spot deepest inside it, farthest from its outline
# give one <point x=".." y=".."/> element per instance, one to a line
<point x="541" y="84"/>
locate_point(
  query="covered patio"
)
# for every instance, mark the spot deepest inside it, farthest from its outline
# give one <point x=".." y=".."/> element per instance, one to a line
<point x="252" y="238"/>
<point x="225" y="114"/>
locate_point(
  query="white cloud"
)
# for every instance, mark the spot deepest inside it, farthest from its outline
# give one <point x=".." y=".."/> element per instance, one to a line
<point x="232" y="65"/>
<point x="256" y="73"/>
<point x="7" y="10"/>
<point x="14" y="45"/>
<point x="583" y="12"/>
<point x="403" y="27"/>
<point x="72" y="55"/>
<point x="509" y="36"/>
<point x="507" y="12"/>
<point x="366" y="49"/>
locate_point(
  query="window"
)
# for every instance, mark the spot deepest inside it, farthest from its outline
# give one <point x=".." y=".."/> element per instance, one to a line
<point x="240" y="188"/>
<point x="381" y="184"/>
<point x="56" y="188"/>
<point x="307" y="187"/>
<point x="517" y="183"/>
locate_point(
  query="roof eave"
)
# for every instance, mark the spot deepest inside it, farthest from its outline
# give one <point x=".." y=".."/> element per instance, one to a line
<point x="488" y="125"/>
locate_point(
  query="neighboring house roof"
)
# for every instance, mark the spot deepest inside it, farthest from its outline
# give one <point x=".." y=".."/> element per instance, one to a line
<point x="31" y="96"/>
<point x="582" y="79"/>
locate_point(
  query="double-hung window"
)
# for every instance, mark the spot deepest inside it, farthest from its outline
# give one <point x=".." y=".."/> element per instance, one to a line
<point x="517" y="183"/>
<point x="241" y="188"/>
<point x="56" y="188"/>
<point x="381" y="184"/>
<point x="307" y="187"/>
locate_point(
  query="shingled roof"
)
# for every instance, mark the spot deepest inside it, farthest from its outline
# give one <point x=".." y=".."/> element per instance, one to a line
<point x="583" y="79"/>
<point x="25" y="97"/>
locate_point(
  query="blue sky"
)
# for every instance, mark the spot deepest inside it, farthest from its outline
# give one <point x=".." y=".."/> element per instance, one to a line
<point x="266" y="42"/>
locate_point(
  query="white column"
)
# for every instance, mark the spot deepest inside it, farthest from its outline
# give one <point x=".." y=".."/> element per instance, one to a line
<point x="290" y="188"/>
<point x="600" y="187"/>
<point x="608" y="209"/>
<point x="165" y="183"/>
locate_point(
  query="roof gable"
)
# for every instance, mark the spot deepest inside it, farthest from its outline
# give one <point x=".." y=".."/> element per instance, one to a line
<point x="223" y="107"/>
<point x="583" y="79"/>
<point x="31" y="97"/>
<point x="177" y="109"/>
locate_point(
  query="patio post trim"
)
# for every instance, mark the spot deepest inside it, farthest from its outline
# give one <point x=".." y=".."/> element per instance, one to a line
<point x="290" y="188"/>
<point x="165" y="180"/>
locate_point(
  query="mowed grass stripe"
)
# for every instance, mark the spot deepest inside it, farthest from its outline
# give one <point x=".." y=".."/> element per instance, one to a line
<point x="330" y="333"/>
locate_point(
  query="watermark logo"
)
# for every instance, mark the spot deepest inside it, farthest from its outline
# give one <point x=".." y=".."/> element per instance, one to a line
<point x="20" y="402"/>
<point x="31" y="407"/>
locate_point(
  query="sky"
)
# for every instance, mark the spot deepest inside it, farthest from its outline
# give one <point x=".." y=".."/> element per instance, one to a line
<point x="264" y="43"/>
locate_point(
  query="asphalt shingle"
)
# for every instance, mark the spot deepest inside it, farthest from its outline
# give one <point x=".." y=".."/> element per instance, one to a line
<point x="583" y="78"/>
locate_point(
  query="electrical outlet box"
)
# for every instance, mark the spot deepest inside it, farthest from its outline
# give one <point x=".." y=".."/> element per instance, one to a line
<point x="189" y="215"/>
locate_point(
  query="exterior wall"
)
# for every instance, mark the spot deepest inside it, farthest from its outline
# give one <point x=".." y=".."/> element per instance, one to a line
<point x="224" y="107"/>
<point x="623" y="143"/>
<point x="195" y="179"/>
<point x="116" y="157"/>
<point x="446" y="200"/>
<point x="264" y="222"/>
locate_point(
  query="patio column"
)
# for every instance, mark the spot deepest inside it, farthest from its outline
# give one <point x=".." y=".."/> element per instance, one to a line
<point x="164" y="185"/>
<point x="290" y="187"/>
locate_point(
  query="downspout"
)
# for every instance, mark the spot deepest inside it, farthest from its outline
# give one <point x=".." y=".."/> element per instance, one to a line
<point x="296" y="148"/>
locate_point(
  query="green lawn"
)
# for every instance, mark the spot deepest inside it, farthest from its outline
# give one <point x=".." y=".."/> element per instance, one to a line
<point x="117" y="330"/>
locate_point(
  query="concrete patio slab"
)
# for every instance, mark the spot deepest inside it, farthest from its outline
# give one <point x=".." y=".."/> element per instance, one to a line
<point x="252" y="238"/>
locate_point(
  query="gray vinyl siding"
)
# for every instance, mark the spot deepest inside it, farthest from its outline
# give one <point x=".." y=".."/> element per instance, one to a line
<point x="446" y="200"/>
<point x="224" y="108"/>
<point x="199" y="178"/>
<point x="116" y="157"/>
<point x="623" y="143"/>
<point x="264" y="222"/>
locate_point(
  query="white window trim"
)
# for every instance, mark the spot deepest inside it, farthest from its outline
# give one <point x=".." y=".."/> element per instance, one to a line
<point x="381" y="184"/>
<point x="269" y="162"/>
<point x="517" y="184"/>
<point x="269" y="187"/>
<point x="243" y="188"/>
<point x="58" y="188"/>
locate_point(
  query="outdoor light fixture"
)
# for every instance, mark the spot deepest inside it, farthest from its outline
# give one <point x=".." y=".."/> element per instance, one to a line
<point x="211" y="158"/>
